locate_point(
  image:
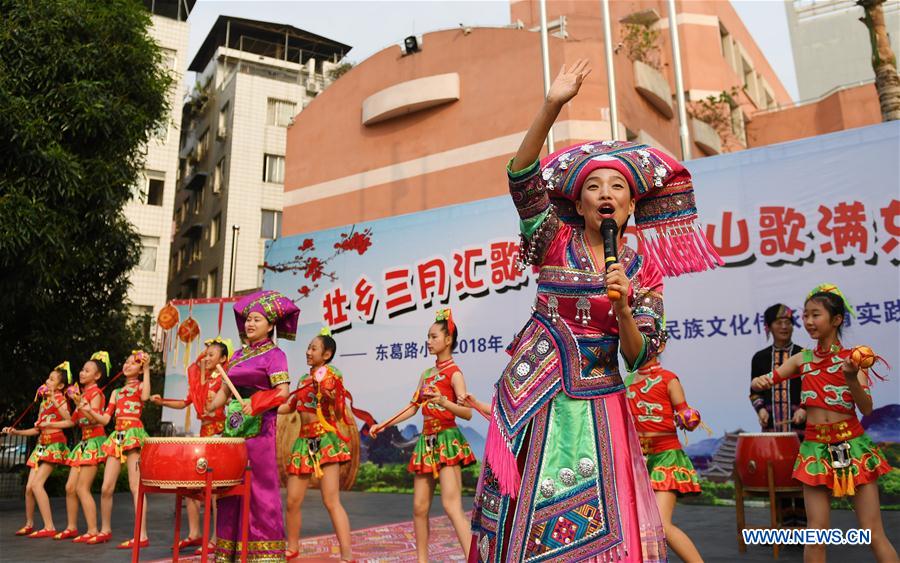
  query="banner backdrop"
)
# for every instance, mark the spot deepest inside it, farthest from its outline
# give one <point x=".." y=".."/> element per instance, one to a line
<point x="785" y="218"/>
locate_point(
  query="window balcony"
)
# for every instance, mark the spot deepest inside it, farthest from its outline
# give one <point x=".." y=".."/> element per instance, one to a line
<point x="653" y="87"/>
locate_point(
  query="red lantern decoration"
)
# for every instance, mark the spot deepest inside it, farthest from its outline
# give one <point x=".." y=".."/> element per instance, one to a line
<point x="166" y="321"/>
<point x="187" y="333"/>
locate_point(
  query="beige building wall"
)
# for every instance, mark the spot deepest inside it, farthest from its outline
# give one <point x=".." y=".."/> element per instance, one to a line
<point x="153" y="218"/>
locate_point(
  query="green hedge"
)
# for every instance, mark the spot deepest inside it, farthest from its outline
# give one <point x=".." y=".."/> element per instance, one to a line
<point x="395" y="478"/>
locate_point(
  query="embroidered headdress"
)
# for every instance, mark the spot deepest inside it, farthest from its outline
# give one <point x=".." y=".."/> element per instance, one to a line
<point x="665" y="208"/>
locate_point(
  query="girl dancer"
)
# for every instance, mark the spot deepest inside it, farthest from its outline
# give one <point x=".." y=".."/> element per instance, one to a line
<point x="51" y="451"/>
<point x="124" y="444"/>
<point x="836" y="457"/>
<point x="657" y="403"/>
<point x="545" y="490"/>
<point x="87" y="455"/>
<point x="203" y="385"/>
<point x="320" y="448"/>
<point x="442" y="450"/>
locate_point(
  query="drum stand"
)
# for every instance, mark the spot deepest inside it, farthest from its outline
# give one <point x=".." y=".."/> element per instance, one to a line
<point x="205" y="495"/>
<point x="775" y="510"/>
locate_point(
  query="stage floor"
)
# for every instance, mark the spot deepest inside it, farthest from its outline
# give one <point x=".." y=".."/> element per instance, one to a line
<point x="383" y="532"/>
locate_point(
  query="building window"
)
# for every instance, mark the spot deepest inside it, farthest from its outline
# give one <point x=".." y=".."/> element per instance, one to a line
<point x="212" y="282"/>
<point x="273" y="168"/>
<point x="215" y="230"/>
<point x="222" y="125"/>
<point x="219" y="177"/>
<point x="149" y="247"/>
<point x="270" y="224"/>
<point x="203" y="146"/>
<point x="196" y="251"/>
<point x="280" y="112"/>
<point x="737" y="125"/>
<point x="155" y="189"/>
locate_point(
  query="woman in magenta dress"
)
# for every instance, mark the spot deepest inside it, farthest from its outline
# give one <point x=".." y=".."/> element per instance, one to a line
<point x="259" y="371"/>
<point x="564" y="478"/>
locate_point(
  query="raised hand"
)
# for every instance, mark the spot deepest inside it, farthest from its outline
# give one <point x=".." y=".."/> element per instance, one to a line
<point x="566" y="84"/>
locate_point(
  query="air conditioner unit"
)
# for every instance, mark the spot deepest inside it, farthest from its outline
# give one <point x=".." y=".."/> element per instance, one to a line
<point x="312" y="85"/>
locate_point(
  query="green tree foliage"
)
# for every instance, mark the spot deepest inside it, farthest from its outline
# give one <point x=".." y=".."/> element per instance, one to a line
<point x="82" y="88"/>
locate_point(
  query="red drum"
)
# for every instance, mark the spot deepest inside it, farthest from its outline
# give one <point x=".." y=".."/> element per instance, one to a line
<point x="755" y="449"/>
<point x="173" y="463"/>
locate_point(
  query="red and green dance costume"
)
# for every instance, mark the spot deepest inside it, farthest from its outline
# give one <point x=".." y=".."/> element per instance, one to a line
<point x="89" y="451"/>
<point x="840" y="455"/>
<point x="126" y="405"/>
<point x="51" y="447"/>
<point x="441" y="443"/>
<point x="200" y="392"/>
<point x="670" y="469"/>
<point x="319" y="443"/>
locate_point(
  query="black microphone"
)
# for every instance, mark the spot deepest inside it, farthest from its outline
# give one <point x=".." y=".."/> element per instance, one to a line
<point x="608" y="230"/>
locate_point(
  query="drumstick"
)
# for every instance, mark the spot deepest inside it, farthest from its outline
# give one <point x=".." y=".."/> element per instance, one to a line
<point x="229" y="383"/>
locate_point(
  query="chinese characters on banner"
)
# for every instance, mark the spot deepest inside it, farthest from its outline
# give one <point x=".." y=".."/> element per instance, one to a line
<point x="473" y="271"/>
<point x="840" y="233"/>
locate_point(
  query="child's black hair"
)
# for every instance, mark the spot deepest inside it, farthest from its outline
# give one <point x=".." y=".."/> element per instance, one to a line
<point x="101" y="367"/>
<point x="329" y="345"/>
<point x="223" y="350"/>
<point x="454" y="338"/>
<point x="832" y="303"/>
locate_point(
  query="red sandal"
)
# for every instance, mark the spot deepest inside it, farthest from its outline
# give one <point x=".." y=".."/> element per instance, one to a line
<point x="129" y="544"/>
<point x="188" y="542"/>
<point x="25" y="530"/>
<point x="45" y="533"/>
<point x="66" y="534"/>
<point x="84" y="538"/>
<point x="211" y="549"/>
<point x="102" y="537"/>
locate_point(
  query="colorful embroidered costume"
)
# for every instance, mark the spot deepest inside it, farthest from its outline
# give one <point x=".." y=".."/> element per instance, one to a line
<point x="318" y="442"/>
<point x="546" y="491"/>
<point x="670" y="469"/>
<point x="441" y="443"/>
<point x="126" y="405"/>
<point x="52" y="446"/>
<point x="89" y="451"/>
<point x="256" y="369"/>
<point x="839" y="456"/>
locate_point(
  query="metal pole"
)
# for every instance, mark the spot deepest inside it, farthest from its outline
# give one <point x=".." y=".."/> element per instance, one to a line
<point x="679" y="84"/>
<point x="610" y="73"/>
<point x="235" y="231"/>
<point x="545" y="62"/>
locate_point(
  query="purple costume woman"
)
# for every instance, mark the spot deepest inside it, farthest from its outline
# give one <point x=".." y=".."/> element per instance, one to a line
<point x="256" y="370"/>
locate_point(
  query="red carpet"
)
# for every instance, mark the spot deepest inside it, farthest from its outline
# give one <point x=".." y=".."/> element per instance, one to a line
<point x="392" y="542"/>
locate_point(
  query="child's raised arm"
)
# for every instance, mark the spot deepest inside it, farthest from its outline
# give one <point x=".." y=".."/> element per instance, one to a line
<point x="788" y="370"/>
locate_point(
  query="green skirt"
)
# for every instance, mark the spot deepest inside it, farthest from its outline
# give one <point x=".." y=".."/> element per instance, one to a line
<point x="814" y="466"/>
<point x="331" y="449"/>
<point x="121" y="441"/>
<point x="51" y="453"/>
<point x="449" y="447"/>
<point x="672" y="470"/>
<point x="88" y="452"/>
